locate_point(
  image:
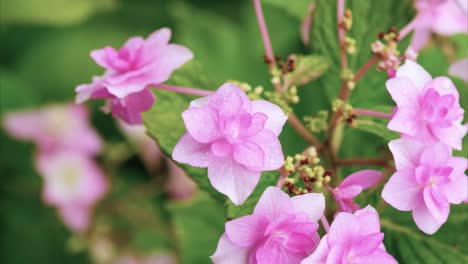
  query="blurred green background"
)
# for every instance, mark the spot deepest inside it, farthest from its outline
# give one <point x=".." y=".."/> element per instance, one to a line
<point x="45" y="53"/>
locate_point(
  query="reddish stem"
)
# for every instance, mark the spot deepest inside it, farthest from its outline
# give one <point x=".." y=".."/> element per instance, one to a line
<point x="183" y="90"/>
<point x="366" y="112"/>
<point x="364" y="69"/>
<point x="341" y="33"/>
<point x="264" y="33"/>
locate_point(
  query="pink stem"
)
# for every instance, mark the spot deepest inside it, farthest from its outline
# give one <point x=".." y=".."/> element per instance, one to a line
<point x="325" y="223"/>
<point x="183" y="90"/>
<point x="341" y="33"/>
<point x="407" y="29"/>
<point x="366" y="112"/>
<point x="264" y="31"/>
<point x="306" y="24"/>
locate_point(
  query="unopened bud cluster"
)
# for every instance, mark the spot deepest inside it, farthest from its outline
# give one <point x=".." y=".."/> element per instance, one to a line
<point x="387" y="48"/>
<point x="349" y="44"/>
<point x="347" y="76"/>
<point x="317" y="123"/>
<point x="305" y="173"/>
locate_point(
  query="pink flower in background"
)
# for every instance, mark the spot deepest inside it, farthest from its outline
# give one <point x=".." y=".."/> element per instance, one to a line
<point x="280" y="230"/>
<point x="352" y="186"/>
<point x="352" y="238"/>
<point x="445" y="17"/>
<point x="460" y="69"/>
<point x="55" y="128"/>
<point x="428" y="179"/>
<point x="73" y="183"/>
<point x="130" y="70"/>
<point x="428" y="110"/>
<point x="235" y="138"/>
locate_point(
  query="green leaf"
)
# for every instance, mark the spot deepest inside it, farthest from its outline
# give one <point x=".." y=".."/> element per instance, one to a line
<point x="410" y="245"/>
<point x="308" y="68"/>
<point x="296" y="8"/>
<point x="198" y="225"/>
<point x="267" y="179"/>
<point x="51" y="12"/>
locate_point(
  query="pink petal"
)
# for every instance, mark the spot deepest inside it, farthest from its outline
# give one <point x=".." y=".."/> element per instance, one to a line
<point x="460" y="69"/>
<point x="202" y="123"/>
<point x="415" y="73"/>
<point x="379" y="256"/>
<point x="190" y="151"/>
<point x="365" y="178"/>
<point x="319" y="256"/>
<point x="270" y="252"/>
<point x="276" y="116"/>
<point x="437" y="155"/>
<point x="102" y="56"/>
<point x="444" y="86"/>
<point x="436" y="203"/>
<point x="344" y="229"/>
<point x="246" y="231"/>
<point x="86" y="91"/>
<point x="250" y="155"/>
<point x="336" y="255"/>
<point x="159" y="37"/>
<point x="368" y="220"/>
<point x="313" y="204"/>
<point x="130" y="108"/>
<point x="403" y="90"/>
<point x="76" y="218"/>
<point x="457" y="190"/>
<point x="402" y="191"/>
<point x="406" y="120"/>
<point x="450" y="19"/>
<point x="424" y="220"/>
<point x="271" y="147"/>
<point x="273" y="203"/>
<point x="347" y="192"/>
<point x="222" y="148"/>
<point x="25" y="125"/>
<point x="229" y="253"/>
<point x="229" y="99"/>
<point x="421" y="37"/>
<point x="406" y="153"/>
<point x="232" y="179"/>
<point x="449" y="135"/>
<point x="257" y="123"/>
<point x="173" y="56"/>
<point x="367" y="244"/>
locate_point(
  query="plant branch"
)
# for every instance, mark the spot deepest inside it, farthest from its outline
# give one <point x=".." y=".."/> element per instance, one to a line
<point x="294" y="121"/>
<point x="264" y="32"/>
<point x="341" y="33"/>
<point x="366" y="112"/>
<point x="183" y="90"/>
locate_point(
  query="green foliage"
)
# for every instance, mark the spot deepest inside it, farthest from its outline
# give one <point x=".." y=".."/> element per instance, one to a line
<point x="307" y="68"/>
<point x="53" y="12"/>
<point x="296" y="9"/>
<point x="198" y="225"/>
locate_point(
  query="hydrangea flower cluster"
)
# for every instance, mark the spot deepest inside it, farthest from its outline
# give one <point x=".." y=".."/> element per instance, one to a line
<point x="66" y="145"/>
<point x="234" y="137"/>
<point x="428" y="116"/>
<point x="130" y="71"/>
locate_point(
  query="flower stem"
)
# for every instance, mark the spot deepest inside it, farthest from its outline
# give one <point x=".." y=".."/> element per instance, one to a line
<point x="364" y="69"/>
<point x="294" y="121"/>
<point x="366" y="112"/>
<point x="325" y="223"/>
<point x="341" y="33"/>
<point x="407" y="29"/>
<point x="363" y="161"/>
<point x="264" y="32"/>
<point x="183" y="90"/>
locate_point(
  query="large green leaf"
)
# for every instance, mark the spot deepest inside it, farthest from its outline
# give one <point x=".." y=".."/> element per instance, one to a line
<point x="410" y="245"/>
<point x="297" y="8"/>
<point x="199" y="224"/>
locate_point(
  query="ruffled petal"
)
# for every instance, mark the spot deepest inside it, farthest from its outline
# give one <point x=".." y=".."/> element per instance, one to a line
<point x="276" y="116"/>
<point x="273" y="203"/>
<point x="424" y="220"/>
<point x="202" y="123"/>
<point x="313" y="204"/>
<point x="192" y="152"/>
<point x="402" y="191"/>
<point x="229" y="253"/>
<point x="413" y="71"/>
<point x="406" y="153"/>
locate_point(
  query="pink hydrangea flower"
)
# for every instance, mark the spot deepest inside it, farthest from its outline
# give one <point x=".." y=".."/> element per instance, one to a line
<point x="55" y="128"/>
<point x="73" y="183"/>
<point x="460" y="69"/>
<point x="130" y="70"/>
<point x="428" y="179"/>
<point x="235" y="138"/>
<point x="428" y="110"/>
<point x="352" y="238"/>
<point x="444" y="17"/>
<point x="352" y="186"/>
<point x="280" y="230"/>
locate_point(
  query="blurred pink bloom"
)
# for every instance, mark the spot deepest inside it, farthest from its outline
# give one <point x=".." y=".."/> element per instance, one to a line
<point x="460" y="69"/>
<point x="179" y="185"/>
<point x="280" y="230"/>
<point x="55" y="127"/>
<point x="235" y="138"/>
<point x="73" y="183"/>
<point x="130" y="70"/>
<point x="444" y="17"/>
<point x="352" y="238"/>
<point x="428" y="179"/>
<point x="428" y="110"/>
<point x="352" y="186"/>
